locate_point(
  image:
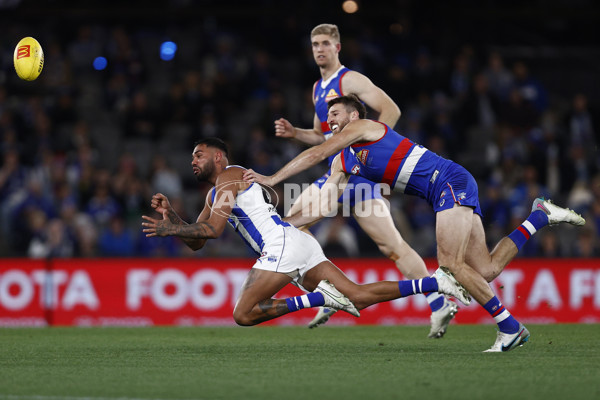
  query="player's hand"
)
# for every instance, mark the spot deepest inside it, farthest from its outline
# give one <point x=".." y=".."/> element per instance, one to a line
<point x="252" y="176"/>
<point x="160" y="203"/>
<point x="156" y="227"/>
<point x="283" y="128"/>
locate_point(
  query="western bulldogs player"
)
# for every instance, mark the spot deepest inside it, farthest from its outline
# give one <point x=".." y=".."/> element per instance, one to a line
<point x="375" y="151"/>
<point x="335" y="81"/>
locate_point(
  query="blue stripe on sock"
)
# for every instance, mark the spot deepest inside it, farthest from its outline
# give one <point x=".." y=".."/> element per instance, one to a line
<point x="291" y="303"/>
<point x="316" y="299"/>
<point x="428" y="284"/>
<point x="406" y="288"/>
<point x="437" y="303"/>
<point x="538" y="219"/>
<point x="509" y="325"/>
<point x="518" y="238"/>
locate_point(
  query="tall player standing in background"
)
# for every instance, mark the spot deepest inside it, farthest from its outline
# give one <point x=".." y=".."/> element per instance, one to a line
<point x="337" y="80"/>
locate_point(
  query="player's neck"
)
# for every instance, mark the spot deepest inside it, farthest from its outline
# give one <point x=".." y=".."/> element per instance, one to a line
<point x="327" y="71"/>
<point x="220" y="168"/>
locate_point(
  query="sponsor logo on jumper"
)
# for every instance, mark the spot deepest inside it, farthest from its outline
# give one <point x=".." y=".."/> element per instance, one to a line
<point x="331" y="95"/>
<point x="362" y="156"/>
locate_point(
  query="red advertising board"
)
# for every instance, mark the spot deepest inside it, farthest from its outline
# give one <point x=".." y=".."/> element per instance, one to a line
<point x="145" y="292"/>
<point x="22" y="284"/>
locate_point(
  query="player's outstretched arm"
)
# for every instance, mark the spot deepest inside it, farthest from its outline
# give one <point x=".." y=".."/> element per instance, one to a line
<point x="160" y="203"/>
<point x="327" y="203"/>
<point x="354" y="132"/>
<point x="210" y="223"/>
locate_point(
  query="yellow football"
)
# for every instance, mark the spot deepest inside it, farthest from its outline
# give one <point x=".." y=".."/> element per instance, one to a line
<point x="28" y="59"/>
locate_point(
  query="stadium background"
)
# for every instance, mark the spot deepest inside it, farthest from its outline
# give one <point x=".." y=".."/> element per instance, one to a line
<point x="83" y="148"/>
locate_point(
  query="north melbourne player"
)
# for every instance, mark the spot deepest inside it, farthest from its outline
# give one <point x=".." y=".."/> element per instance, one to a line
<point x="285" y="254"/>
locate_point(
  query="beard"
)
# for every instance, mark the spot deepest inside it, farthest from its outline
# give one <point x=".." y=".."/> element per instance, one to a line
<point x="342" y="124"/>
<point x="206" y="172"/>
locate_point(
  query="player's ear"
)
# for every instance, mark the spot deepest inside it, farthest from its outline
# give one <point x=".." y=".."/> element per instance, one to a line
<point x="338" y="46"/>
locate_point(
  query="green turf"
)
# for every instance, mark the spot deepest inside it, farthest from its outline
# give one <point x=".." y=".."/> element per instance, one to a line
<point x="560" y="362"/>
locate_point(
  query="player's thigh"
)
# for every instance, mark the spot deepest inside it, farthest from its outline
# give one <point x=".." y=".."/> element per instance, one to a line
<point x="375" y="219"/>
<point x="260" y="285"/>
<point x="309" y="196"/>
<point x="478" y="254"/>
<point x="453" y="231"/>
<point x="329" y="271"/>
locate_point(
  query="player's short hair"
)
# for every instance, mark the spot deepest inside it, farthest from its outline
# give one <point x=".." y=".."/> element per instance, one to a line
<point x="326" y="29"/>
<point x="214" y="143"/>
<point x="351" y="102"/>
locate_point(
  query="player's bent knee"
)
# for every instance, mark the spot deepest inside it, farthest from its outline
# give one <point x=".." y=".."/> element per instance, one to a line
<point x="243" y="319"/>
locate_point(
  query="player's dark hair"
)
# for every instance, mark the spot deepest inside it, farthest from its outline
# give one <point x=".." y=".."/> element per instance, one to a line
<point x="351" y="102"/>
<point x="215" y="143"/>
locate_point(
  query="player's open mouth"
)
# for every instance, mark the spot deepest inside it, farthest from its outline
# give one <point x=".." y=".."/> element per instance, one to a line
<point x="334" y="127"/>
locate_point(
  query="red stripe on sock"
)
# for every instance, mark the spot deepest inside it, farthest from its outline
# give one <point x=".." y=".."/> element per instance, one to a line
<point x="498" y="311"/>
<point x="524" y="231"/>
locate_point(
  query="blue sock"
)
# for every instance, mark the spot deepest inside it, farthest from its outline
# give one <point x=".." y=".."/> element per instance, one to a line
<point x="536" y="221"/>
<point x="506" y="322"/>
<point x="435" y="300"/>
<point x="422" y="285"/>
<point x="305" y="301"/>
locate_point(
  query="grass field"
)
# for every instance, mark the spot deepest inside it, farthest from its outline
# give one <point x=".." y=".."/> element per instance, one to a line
<point x="560" y="362"/>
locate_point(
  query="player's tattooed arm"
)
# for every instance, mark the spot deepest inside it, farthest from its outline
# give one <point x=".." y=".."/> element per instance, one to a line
<point x="171" y="220"/>
<point x="199" y="230"/>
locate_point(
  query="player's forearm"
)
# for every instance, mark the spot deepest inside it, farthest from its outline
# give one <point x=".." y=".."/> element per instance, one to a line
<point x="390" y="114"/>
<point x="303" y="161"/>
<point x="199" y="230"/>
<point x="194" y="243"/>
<point x="308" y="136"/>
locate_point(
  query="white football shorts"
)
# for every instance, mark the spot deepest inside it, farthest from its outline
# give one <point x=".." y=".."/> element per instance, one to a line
<point x="294" y="253"/>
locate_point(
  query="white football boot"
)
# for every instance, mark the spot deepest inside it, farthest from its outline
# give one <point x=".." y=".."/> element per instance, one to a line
<point x="508" y="341"/>
<point x="447" y="284"/>
<point x="335" y="299"/>
<point x="557" y="214"/>
<point x="322" y="316"/>
<point x="441" y="318"/>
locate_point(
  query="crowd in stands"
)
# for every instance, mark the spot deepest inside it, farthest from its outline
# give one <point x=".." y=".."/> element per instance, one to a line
<point x="83" y="150"/>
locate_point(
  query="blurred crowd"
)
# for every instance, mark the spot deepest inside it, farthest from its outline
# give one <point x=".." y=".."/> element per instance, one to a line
<point x="83" y="150"/>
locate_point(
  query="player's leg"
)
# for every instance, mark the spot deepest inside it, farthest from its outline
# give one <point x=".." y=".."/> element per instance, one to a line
<point x="309" y="196"/>
<point x="376" y="221"/>
<point x="362" y="296"/>
<point x="453" y="231"/>
<point x="490" y="265"/>
<point x="454" y="228"/>
<point x="255" y="304"/>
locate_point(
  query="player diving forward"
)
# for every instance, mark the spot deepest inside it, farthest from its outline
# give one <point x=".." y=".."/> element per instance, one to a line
<point x="286" y="254"/>
<point x="390" y="158"/>
<point x="335" y="81"/>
